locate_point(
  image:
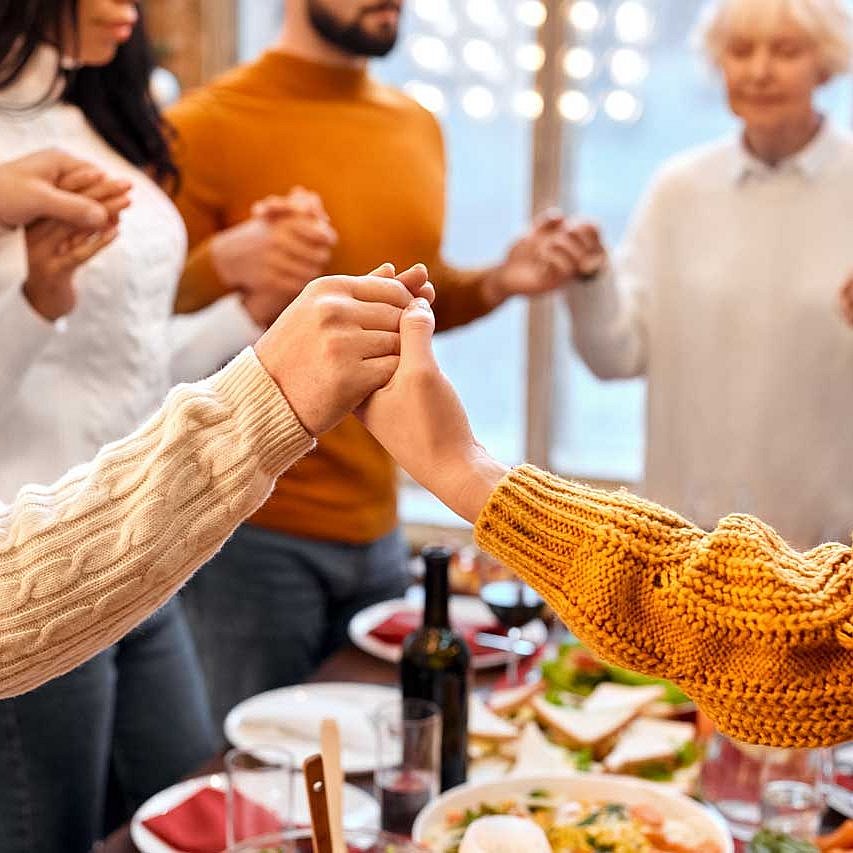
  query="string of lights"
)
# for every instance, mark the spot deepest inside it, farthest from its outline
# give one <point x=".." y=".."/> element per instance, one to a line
<point x="482" y="56"/>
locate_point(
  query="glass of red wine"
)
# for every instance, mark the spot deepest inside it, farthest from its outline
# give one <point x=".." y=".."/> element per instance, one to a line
<point x="408" y="761"/>
<point x="514" y="604"/>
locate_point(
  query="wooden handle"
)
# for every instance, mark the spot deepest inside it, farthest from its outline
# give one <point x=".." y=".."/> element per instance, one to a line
<point x="315" y="785"/>
<point x="330" y="746"/>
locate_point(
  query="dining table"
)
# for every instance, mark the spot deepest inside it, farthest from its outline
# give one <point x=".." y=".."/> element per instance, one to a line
<point x="349" y="664"/>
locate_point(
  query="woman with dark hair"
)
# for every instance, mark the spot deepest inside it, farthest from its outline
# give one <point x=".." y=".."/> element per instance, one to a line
<point x="88" y="350"/>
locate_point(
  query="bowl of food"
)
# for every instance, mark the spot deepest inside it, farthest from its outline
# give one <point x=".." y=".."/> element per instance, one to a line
<point x="578" y="813"/>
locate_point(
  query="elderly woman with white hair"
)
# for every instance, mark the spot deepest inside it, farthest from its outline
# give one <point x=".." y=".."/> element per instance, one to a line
<point x="726" y="292"/>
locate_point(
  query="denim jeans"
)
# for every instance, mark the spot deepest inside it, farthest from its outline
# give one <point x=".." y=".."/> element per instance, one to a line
<point x="136" y="713"/>
<point x="269" y="607"/>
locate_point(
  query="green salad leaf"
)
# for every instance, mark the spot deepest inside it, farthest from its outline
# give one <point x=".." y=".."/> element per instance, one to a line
<point x="766" y="841"/>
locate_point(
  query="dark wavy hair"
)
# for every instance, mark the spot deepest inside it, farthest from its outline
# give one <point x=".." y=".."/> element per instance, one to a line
<point x="115" y="98"/>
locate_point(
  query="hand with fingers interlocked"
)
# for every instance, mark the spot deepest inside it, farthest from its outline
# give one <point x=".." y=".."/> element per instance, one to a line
<point x="554" y="252"/>
<point x="57" y="249"/>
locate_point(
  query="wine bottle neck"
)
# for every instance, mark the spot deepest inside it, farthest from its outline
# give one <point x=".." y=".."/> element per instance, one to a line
<point x="436" y="592"/>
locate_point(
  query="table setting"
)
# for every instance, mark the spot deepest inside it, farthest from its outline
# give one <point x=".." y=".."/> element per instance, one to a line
<point x="561" y="752"/>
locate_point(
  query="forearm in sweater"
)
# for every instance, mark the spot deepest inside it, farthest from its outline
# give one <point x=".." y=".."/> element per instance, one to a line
<point x="760" y="636"/>
<point x="200" y="284"/>
<point x="459" y="296"/>
<point x="24" y="333"/>
<point x="85" y="560"/>
<point x="607" y="329"/>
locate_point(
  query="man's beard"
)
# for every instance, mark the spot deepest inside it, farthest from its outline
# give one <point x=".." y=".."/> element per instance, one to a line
<point x="352" y="37"/>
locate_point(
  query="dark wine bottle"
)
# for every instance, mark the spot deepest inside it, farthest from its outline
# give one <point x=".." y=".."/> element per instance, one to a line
<point x="436" y="665"/>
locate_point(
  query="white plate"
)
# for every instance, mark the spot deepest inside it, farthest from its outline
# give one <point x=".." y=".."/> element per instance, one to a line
<point x="360" y="809"/>
<point x="290" y="717"/>
<point x="463" y="608"/>
<point x="620" y="789"/>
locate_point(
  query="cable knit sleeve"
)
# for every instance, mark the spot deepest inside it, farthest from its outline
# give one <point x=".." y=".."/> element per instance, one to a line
<point x="759" y="635"/>
<point x="85" y="560"/>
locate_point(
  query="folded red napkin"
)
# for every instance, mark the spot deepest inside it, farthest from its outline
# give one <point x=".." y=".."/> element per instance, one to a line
<point x="396" y="628"/>
<point x="197" y="825"/>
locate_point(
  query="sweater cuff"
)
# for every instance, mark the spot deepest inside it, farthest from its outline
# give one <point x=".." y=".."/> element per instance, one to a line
<point x="21" y="323"/>
<point x="594" y="299"/>
<point x="200" y="282"/>
<point x="263" y="415"/>
<point x="459" y="297"/>
<point x="512" y="523"/>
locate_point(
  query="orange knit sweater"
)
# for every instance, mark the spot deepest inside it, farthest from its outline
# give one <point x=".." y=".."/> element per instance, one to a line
<point x="376" y="158"/>
<point x="759" y="635"/>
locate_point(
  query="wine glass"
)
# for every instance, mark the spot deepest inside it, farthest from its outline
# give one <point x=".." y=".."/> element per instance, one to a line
<point x="514" y="604"/>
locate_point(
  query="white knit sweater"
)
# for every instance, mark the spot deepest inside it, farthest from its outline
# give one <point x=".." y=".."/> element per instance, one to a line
<point x="726" y="297"/>
<point x="68" y="388"/>
<point x="85" y="560"/>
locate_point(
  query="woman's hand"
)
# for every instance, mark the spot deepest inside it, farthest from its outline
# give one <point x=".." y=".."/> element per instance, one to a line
<point x="54" y="254"/>
<point x="420" y="420"/>
<point x="55" y="250"/>
<point x="36" y="187"/>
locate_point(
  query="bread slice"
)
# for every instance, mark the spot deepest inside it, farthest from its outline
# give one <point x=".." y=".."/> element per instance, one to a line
<point x="646" y="742"/>
<point x="511" y="699"/>
<point x="579" y="728"/>
<point x="608" y="695"/>
<point x="485" y="724"/>
<point x="537" y="756"/>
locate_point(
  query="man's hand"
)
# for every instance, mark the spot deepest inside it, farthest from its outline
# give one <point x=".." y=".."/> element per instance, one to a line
<point x="553" y="253"/>
<point x="338" y="342"/>
<point x="36" y="187"/>
<point x="421" y="422"/>
<point x="270" y="257"/>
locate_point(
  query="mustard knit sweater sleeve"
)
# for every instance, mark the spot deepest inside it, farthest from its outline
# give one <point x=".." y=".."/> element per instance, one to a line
<point x="85" y="560"/>
<point x="760" y="636"/>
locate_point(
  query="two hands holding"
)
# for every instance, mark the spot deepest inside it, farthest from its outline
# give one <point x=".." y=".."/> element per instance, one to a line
<point x="70" y="209"/>
<point x="288" y="241"/>
<point x="364" y="344"/>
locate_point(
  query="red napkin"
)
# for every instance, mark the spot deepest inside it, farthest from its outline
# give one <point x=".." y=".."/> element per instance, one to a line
<point x="197" y="825"/>
<point x="396" y="628"/>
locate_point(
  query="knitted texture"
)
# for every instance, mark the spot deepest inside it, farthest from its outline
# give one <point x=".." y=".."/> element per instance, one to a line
<point x="758" y="635"/>
<point x="85" y="560"/>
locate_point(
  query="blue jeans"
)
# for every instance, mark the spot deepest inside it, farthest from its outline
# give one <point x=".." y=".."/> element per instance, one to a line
<point x="136" y="713"/>
<point x="269" y="607"/>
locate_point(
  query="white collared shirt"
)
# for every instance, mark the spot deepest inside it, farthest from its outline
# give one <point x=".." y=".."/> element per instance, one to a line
<point x="68" y="388"/>
<point x="725" y="296"/>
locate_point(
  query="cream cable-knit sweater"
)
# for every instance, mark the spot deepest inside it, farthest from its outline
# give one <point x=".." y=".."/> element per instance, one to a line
<point x="85" y="560"/>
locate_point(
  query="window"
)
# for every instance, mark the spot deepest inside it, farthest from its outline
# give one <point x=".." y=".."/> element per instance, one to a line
<point x="633" y="93"/>
<point x="648" y="95"/>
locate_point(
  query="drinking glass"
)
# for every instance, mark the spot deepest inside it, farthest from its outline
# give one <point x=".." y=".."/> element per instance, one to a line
<point x="792" y="790"/>
<point x="408" y="761"/>
<point x="755" y="786"/>
<point x="259" y="795"/>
